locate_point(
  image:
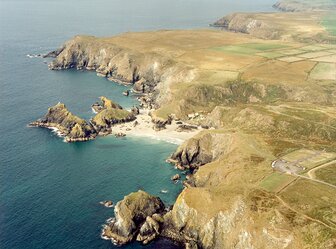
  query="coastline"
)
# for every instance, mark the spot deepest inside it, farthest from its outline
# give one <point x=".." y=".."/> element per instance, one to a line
<point x="144" y="128"/>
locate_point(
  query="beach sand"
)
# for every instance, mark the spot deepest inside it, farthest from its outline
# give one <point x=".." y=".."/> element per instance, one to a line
<point x="144" y="128"/>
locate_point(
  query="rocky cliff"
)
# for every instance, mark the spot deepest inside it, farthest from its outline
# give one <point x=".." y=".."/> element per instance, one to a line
<point x="137" y="216"/>
<point x="70" y="126"/>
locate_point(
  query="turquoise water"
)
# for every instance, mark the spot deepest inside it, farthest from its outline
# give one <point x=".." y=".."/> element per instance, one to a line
<point x="50" y="190"/>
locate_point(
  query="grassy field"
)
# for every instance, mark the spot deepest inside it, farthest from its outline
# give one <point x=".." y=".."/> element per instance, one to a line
<point x="313" y="199"/>
<point x="251" y="48"/>
<point x="276" y="181"/>
<point x="324" y="71"/>
<point x="327" y="174"/>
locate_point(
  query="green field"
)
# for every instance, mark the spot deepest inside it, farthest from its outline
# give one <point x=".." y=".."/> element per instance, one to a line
<point x="250" y="48"/>
<point x="276" y="181"/>
<point x="324" y="71"/>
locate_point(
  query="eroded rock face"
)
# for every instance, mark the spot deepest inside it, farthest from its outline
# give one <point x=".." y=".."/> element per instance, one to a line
<point x="134" y="219"/>
<point x="70" y="126"/>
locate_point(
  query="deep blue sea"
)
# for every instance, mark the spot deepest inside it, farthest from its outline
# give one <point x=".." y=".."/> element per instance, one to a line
<point x="50" y="190"/>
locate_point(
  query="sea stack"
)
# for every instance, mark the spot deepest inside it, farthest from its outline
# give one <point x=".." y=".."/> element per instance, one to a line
<point x="69" y="126"/>
<point x="135" y="218"/>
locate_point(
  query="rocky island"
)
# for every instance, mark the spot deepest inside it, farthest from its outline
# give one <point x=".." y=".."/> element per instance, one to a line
<point x="108" y="114"/>
<point x="268" y="93"/>
<point x="71" y="127"/>
<point x="75" y="129"/>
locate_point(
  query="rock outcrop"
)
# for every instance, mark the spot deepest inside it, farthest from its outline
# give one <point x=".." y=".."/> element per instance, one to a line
<point x="136" y="217"/>
<point x="108" y="114"/>
<point x="160" y="122"/>
<point x="201" y="149"/>
<point x="73" y="128"/>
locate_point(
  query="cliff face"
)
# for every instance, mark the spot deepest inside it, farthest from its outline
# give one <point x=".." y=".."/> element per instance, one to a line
<point x="117" y="63"/>
<point x="70" y="126"/>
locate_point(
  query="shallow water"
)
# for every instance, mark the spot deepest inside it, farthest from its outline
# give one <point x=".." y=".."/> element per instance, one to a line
<point x="50" y="190"/>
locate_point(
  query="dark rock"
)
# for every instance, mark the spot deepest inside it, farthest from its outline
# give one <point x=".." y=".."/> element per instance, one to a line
<point x="175" y="177"/>
<point x="54" y="54"/>
<point x="135" y="110"/>
<point x="126" y="93"/>
<point x="108" y="204"/>
<point x="183" y="128"/>
<point x="120" y="134"/>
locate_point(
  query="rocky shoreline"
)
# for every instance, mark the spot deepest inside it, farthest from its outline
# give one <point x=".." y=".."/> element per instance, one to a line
<point x="111" y="119"/>
<point x="224" y="203"/>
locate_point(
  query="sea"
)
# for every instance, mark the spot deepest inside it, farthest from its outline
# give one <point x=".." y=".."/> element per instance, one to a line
<point x="50" y="190"/>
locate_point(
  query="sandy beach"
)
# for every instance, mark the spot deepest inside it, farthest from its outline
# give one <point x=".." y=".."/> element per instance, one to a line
<point x="144" y="128"/>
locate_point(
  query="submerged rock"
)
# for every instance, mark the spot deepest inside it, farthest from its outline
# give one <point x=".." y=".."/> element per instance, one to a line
<point x="108" y="204"/>
<point x="73" y="128"/>
<point x="175" y="177"/>
<point x="133" y="216"/>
